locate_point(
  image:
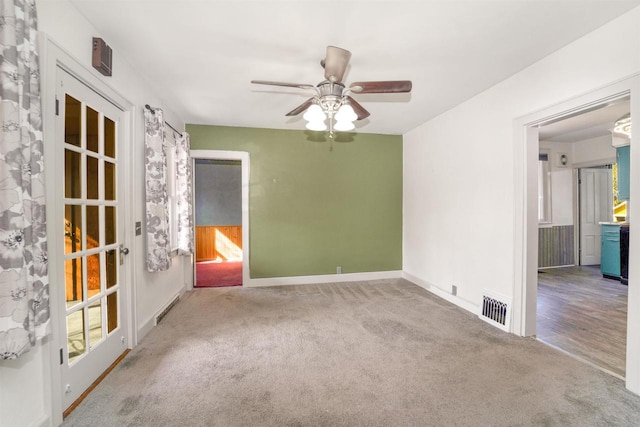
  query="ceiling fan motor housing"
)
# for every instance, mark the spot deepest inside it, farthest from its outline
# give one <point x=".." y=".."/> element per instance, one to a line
<point x="327" y="88"/>
<point x="330" y="96"/>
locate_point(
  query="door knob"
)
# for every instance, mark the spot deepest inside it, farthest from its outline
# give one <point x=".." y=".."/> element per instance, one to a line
<point x="123" y="251"/>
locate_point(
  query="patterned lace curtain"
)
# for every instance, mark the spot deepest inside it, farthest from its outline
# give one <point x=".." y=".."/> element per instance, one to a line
<point x="183" y="195"/>
<point x="24" y="282"/>
<point x="158" y="243"/>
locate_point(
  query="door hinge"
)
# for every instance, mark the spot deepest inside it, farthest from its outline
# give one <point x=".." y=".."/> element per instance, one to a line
<point x="61" y="360"/>
<point x="57" y="107"/>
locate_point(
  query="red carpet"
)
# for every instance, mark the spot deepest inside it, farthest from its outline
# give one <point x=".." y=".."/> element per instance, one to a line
<point x="217" y="274"/>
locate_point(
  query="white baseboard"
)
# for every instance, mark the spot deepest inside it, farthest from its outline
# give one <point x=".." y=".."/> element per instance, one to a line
<point x="43" y="421"/>
<point x="151" y="321"/>
<point x="325" y="278"/>
<point x="146" y="327"/>
<point x="472" y="308"/>
<point x="556" y="266"/>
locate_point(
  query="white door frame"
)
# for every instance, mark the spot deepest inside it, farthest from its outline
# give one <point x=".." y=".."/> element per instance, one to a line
<point x="54" y="56"/>
<point x="243" y="157"/>
<point x="526" y="222"/>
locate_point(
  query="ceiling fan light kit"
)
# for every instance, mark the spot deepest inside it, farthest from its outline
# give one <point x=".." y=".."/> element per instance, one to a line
<point x="332" y="101"/>
<point x="622" y="126"/>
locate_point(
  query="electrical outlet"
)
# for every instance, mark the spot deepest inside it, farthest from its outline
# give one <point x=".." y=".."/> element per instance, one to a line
<point x="338" y="270"/>
<point x="454" y="290"/>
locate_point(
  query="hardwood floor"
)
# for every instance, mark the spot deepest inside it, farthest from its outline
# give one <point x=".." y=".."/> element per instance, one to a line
<point x="584" y="314"/>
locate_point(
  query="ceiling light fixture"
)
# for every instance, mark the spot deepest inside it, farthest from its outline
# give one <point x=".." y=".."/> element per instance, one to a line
<point x="622" y="126"/>
<point x="332" y="101"/>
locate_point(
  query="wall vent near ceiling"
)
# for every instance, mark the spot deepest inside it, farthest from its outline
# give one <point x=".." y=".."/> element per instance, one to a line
<point x="167" y="308"/>
<point x="496" y="310"/>
<point x="101" y="56"/>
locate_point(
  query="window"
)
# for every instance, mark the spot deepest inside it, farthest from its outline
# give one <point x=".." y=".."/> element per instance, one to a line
<point x="544" y="189"/>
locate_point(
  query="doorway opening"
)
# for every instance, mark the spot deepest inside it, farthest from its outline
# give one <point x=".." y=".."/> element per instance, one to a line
<point x="218" y="206"/>
<point x="221" y="218"/>
<point x="582" y="302"/>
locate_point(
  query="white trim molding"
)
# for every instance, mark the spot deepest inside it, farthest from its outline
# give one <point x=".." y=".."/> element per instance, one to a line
<point x="525" y="137"/>
<point x="323" y="278"/>
<point x="243" y="157"/>
<point x="430" y="287"/>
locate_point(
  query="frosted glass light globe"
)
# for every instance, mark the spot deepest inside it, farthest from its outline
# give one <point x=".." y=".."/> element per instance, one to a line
<point x="317" y="125"/>
<point x="315" y="114"/>
<point x="346" y="114"/>
<point x="344" y="126"/>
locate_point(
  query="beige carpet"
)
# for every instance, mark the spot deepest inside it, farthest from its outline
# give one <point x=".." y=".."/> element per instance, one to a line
<point x="384" y="353"/>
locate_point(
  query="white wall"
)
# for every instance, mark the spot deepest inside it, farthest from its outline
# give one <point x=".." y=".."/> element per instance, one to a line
<point x="29" y="380"/>
<point x="561" y="182"/>
<point x="218" y="195"/>
<point x="459" y="167"/>
<point x="594" y="151"/>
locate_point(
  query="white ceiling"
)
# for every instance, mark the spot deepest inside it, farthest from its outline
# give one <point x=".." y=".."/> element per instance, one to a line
<point x="201" y="55"/>
<point x="588" y="125"/>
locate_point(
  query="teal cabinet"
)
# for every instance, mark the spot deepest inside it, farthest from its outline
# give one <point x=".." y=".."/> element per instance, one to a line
<point x="622" y="155"/>
<point x="610" y="254"/>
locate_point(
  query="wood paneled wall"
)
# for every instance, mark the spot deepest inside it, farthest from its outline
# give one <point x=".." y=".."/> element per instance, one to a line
<point x="555" y="246"/>
<point x="214" y="242"/>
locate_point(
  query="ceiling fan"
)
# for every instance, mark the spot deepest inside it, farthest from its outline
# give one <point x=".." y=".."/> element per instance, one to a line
<point x="332" y="99"/>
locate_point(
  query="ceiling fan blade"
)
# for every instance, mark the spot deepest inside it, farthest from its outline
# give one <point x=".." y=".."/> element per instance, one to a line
<point x="270" y="83"/>
<point x="358" y="109"/>
<point x="393" y="86"/>
<point x="335" y="63"/>
<point x="302" y="107"/>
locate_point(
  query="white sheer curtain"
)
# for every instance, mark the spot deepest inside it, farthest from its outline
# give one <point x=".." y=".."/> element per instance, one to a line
<point x="184" y="195"/>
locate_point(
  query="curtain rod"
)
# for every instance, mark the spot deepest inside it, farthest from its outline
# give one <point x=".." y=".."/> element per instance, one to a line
<point x="166" y="122"/>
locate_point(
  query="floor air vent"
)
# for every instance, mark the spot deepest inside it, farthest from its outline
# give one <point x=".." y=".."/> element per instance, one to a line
<point x="496" y="310"/>
<point x="167" y="308"/>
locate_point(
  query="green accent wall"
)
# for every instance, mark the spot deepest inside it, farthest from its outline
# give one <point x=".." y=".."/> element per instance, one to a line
<point x="315" y="204"/>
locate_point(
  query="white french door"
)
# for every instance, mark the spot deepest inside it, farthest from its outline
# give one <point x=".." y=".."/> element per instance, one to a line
<point x="89" y="135"/>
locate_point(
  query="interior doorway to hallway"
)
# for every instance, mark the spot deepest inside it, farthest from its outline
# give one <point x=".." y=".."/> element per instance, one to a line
<point x="218" y="222"/>
<point x="222" y="243"/>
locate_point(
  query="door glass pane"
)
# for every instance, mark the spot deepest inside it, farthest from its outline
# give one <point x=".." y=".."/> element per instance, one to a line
<point x="112" y="268"/>
<point x="93" y="275"/>
<point x="73" y="281"/>
<point x="72" y="186"/>
<point x="112" y="311"/>
<point x="72" y="228"/>
<point x="72" y="120"/>
<point x="95" y="323"/>
<point x="92" y="178"/>
<point x="92" y="130"/>
<point x="109" y="137"/>
<point x="109" y="225"/>
<point x="75" y="335"/>
<point x="93" y="227"/>
<point x="109" y="181"/>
